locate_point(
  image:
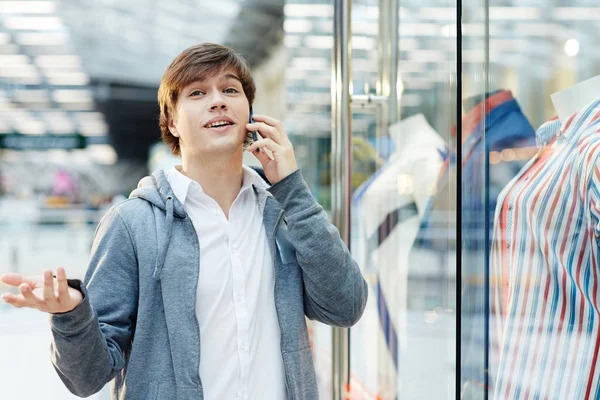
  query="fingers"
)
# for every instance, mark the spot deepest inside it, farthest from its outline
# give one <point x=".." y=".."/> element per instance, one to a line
<point x="266" y="131"/>
<point x="63" y="287"/>
<point x="38" y="292"/>
<point x="25" y="299"/>
<point x="264" y="143"/>
<point x="29" y="298"/>
<point x="11" y="279"/>
<point x="269" y="121"/>
<point x="263" y="157"/>
<point x="15" y="301"/>
<point x="49" y="298"/>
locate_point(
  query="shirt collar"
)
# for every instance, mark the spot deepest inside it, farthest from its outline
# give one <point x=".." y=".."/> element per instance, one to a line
<point x="554" y="128"/>
<point x="411" y="129"/>
<point x="181" y="183"/>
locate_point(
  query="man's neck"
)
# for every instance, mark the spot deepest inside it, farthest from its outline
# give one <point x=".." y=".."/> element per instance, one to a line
<point x="221" y="179"/>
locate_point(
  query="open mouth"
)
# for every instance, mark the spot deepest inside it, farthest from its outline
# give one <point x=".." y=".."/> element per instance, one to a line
<point x="218" y="124"/>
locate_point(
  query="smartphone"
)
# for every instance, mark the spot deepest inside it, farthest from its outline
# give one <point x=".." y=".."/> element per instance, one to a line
<point x="254" y="134"/>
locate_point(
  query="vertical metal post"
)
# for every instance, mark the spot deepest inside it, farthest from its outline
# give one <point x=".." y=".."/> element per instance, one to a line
<point x="383" y="65"/>
<point x="382" y="88"/>
<point x="341" y="153"/>
<point x="393" y="39"/>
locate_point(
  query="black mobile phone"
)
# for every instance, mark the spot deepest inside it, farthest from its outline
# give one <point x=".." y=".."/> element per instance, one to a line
<point x="254" y="134"/>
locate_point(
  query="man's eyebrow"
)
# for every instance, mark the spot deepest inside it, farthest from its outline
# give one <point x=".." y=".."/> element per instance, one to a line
<point x="231" y="76"/>
<point x="223" y="78"/>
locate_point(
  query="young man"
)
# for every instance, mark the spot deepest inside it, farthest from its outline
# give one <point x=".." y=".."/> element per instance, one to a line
<point x="199" y="284"/>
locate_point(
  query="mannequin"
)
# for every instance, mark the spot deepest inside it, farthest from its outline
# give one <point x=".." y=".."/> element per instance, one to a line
<point x="386" y="213"/>
<point x="545" y="255"/>
<point x="568" y="101"/>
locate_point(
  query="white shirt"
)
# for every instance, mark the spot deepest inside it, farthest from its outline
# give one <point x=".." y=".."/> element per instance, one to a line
<point x="386" y="214"/>
<point x="240" y="351"/>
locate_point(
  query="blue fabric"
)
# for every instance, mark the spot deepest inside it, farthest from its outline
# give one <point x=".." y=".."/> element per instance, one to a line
<point x="505" y="127"/>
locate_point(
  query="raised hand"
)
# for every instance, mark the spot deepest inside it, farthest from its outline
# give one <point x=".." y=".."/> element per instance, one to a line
<point x="42" y="292"/>
<point x="283" y="161"/>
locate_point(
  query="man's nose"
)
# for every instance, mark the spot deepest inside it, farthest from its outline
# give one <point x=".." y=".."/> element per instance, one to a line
<point x="218" y="101"/>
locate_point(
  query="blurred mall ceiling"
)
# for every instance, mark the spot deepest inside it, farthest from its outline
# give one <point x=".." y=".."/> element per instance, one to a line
<point x="88" y="70"/>
<point x="135" y="40"/>
<point x="532" y="44"/>
<point x="92" y="66"/>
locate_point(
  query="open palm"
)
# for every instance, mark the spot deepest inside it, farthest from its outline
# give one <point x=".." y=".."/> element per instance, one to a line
<point x="42" y="292"/>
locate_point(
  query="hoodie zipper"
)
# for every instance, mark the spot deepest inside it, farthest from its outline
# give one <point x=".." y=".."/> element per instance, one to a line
<point x="273" y="255"/>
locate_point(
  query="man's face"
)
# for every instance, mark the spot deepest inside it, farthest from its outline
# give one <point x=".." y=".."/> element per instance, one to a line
<point x="211" y="116"/>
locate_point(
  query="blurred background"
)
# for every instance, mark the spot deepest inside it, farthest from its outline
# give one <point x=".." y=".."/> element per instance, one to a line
<point x="79" y="128"/>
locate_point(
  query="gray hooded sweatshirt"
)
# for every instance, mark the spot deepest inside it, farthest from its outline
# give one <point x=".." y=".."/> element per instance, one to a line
<point x="136" y="326"/>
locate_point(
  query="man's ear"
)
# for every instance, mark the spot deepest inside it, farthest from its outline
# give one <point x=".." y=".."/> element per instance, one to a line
<point x="172" y="127"/>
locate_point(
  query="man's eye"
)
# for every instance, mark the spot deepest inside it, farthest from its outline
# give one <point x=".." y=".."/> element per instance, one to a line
<point x="231" y="90"/>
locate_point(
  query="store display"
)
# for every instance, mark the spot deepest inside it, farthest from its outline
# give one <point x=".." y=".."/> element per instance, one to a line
<point x="387" y="211"/>
<point x="544" y="259"/>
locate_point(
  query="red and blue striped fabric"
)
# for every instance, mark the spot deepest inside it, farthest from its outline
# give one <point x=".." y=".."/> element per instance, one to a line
<point x="544" y="264"/>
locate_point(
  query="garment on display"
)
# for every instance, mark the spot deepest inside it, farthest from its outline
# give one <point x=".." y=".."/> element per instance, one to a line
<point x="494" y="123"/>
<point x="387" y="210"/>
<point x="544" y="261"/>
<point x="504" y="127"/>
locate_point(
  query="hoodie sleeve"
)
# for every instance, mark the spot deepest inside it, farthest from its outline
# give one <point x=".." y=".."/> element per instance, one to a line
<point x="90" y="342"/>
<point x="335" y="291"/>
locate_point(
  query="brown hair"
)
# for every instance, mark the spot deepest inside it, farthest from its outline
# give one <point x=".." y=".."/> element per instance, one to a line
<point x="193" y="64"/>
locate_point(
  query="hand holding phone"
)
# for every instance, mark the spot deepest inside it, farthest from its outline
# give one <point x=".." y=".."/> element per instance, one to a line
<point x="254" y="134"/>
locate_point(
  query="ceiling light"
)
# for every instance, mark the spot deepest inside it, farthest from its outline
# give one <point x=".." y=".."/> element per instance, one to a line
<point x="572" y="47"/>
<point x="363" y="43"/>
<point x="58" y="61"/>
<point x="447" y="30"/>
<point x="312" y="63"/>
<point x="31" y="127"/>
<point x="18" y="71"/>
<point x="418" y="29"/>
<point x="438" y="13"/>
<point x="308" y="10"/>
<point x="576" y="13"/>
<point x="13" y="60"/>
<point x="93" y="129"/>
<point x="319" y="42"/>
<point x="41" y="39"/>
<point x="67" y="78"/>
<point x="72" y="96"/>
<point x="297" y="26"/>
<point x="27" y="7"/>
<point x="33" y="23"/>
<point x="515" y="13"/>
<point x="30" y="96"/>
<point x="292" y="41"/>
